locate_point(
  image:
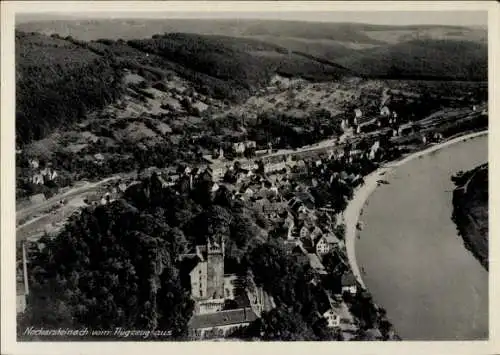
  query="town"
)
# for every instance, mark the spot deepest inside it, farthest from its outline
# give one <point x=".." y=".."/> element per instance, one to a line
<point x="301" y="194"/>
<point x="243" y="180"/>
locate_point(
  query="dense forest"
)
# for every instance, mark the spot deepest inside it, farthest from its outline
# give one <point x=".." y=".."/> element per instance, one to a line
<point x="422" y="60"/>
<point x="58" y="83"/>
<point x="117" y="266"/>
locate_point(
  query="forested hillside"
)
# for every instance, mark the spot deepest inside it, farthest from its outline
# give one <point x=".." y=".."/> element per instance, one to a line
<point x="421" y="60"/>
<point x="58" y="83"/>
<point x="117" y="266"/>
<point x="60" y="80"/>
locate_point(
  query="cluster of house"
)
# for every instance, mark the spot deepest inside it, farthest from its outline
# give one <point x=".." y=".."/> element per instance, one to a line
<point x="110" y="193"/>
<point x="41" y="175"/>
<point x="387" y="118"/>
<point x="310" y="240"/>
<point x="238" y="149"/>
<point x="224" y="303"/>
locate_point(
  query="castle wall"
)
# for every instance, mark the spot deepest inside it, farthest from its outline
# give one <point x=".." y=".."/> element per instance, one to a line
<point x="215" y="275"/>
<point x="199" y="281"/>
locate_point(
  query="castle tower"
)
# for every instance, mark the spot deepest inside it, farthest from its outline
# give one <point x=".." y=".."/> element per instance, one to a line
<point x="215" y="268"/>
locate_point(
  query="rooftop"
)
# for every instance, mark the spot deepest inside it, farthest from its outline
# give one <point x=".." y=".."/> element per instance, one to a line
<point x="331" y="238"/>
<point x="315" y="262"/>
<point x="222" y="318"/>
<point x="348" y="279"/>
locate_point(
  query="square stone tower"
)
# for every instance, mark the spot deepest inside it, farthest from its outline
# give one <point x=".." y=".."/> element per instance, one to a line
<point x="215" y="268"/>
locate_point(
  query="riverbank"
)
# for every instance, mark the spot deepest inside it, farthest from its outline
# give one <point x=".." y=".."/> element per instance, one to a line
<point x="470" y="211"/>
<point x="361" y="195"/>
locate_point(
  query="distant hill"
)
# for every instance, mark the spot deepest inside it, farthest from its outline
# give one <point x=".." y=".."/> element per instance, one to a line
<point x="422" y="59"/>
<point x="62" y="77"/>
<point x="354" y="45"/>
<point x="342" y="32"/>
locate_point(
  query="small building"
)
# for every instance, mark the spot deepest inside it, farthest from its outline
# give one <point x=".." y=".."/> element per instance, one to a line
<point x="215" y="187"/>
<point x="344" y="124"/>
<point x="326" y="244"/>
<point x="304" y="232"/>
<point x="37" y="179"/>
<point x="384" y="111"/>
<point x="98" y="158"/>
<point x="332" y="318"/>
<point x="349" y="283"/>
<point x="316" y="264"/>
<point x="34" y="164"/>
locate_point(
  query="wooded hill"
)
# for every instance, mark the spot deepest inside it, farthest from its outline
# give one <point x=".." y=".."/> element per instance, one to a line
<point x="60" y="80"/>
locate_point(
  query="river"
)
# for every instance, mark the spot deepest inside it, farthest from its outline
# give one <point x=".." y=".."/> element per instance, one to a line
<point x="415" y="264"/>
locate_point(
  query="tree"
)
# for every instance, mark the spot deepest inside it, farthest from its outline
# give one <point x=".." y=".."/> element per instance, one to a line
<point x="223" y="197"/>
<point x="280" y="324"/>
<point x="110" y="267"/>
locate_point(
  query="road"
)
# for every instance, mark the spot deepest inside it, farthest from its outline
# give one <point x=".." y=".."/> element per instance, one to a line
<point x="43" y="206"/>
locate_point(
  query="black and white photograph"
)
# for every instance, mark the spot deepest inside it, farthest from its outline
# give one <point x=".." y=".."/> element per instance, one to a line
<point x="250" y="176"/>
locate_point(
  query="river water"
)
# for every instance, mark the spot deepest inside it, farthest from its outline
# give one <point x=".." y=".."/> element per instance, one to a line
<point x="415" y="264"/>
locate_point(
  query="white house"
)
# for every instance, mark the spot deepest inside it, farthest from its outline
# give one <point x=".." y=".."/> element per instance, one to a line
<point x="326" y="243"/>
<point x="49" y="174"/>
<point x="37" y="179"/>
<point x="239" y="147"/>
<point x="332" y="318"/>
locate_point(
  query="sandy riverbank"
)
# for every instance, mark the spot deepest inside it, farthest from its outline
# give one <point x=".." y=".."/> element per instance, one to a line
<point x="355" y="206"/>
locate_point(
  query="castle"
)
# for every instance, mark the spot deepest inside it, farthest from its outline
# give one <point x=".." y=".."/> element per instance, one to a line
<point x="223" y="303"/>
<point x="206" y="276"/>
